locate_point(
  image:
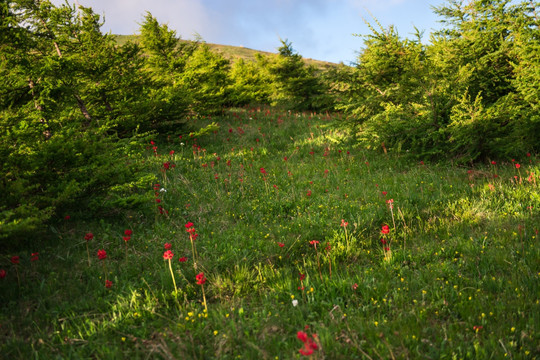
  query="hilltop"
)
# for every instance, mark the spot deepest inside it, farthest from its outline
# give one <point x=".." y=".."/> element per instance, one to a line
<point x="234" y="53"/>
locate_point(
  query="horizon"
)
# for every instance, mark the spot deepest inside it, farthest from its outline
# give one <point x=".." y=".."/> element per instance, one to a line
<point x="317" y="29"/>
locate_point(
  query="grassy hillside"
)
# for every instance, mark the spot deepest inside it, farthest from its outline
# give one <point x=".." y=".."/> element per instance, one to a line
<point x="286" y="239"/>
<point x="235" y="52"/>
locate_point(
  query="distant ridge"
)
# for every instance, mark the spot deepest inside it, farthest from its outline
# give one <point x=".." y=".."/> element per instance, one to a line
<point x="234" y="53"/>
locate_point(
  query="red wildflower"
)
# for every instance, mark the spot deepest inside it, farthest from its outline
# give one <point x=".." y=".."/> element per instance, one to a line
<point x="385" y="229"/>
<point x="67" y="217"/>
<point x="168" y="255"/>
<point x="15" y="260"/>
<point x="126" y="238"/>
<point x="263" y="171"/>
<point x="384" y="193"/>
<point x="102" y="254"/>
<point x="493" y="163"/>
<point x="518" y="166"/>
<point x="3" y="273"/>
<point x="314" y="242"/>
<point x="182" y="259"/>
<point x="285" y="158"/>
<point x="383" y="241"/>
<point x="35" y="257"/>
<point x="355" y="286"/>
<point x="188" y="225"/>
<point x="281" y="244"/>
<point x="343" y="223"/>
<point x="309" y="193"/>
<point x="128" y="232"/>
<point x="302" y="276"/>
<point x="302" y="336"/>
<point x="108" y="284"/>
<point x="200" y="279"/>
<point x="88" y="236"/>
<point x="171" y="152"/>
<point x="528" y="154"/>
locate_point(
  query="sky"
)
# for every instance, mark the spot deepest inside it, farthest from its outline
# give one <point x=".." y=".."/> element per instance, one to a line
<point x="317" y="29"/>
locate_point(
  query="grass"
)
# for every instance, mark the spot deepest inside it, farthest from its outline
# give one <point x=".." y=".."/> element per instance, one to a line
<point x="460" y="278"/>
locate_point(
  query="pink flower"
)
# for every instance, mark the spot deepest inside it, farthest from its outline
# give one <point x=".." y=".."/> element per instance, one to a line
<point x="168" y="255"/>
<point x="102" y="254"/>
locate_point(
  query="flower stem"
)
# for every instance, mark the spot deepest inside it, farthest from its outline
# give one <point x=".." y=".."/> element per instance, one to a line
<point x="172" y="275"/>
<point x="88" y="253"/>
<point x="204" y="299"/>
<point x="193" y="251"/>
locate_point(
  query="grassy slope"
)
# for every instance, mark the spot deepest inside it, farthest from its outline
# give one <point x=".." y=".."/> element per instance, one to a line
<point x="462" y="279"/>
<point x="235" y="52"/>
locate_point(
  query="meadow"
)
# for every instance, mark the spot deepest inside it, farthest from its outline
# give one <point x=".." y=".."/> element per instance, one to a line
<point x="275" y="236"/>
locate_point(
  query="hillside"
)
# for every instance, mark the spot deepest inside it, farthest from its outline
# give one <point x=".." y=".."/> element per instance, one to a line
<point x="234" y="53"/>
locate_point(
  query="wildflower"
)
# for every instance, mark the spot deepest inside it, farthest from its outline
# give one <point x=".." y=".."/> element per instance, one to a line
<point x="285" y="158"/>
<point x="88" y="236"/>
<point x="302" y="276"/>
<point x="171" y="152"/>
<point x="102" y="254"/>
<point x="182" y="259"/>
<point x="281" y="244"/>
<point x="67" y="217"/>
<point x="200" y="279"/>
<point x="493" y="163"/>
<point x="384" y="193"/>
<point x="15" y="260"/>
<point x="168" y="255"/>
<point x="35" y="257"/>
<point x="168" y="246"/>
<point x="385" y="229"/>
<point x="477" y="328"/>
<point x="528" y="154"/>
<point x="518" y="166"/>
<point x="108" y="284"/>
<point x="126" y="238"/>
<point x="294" y="302"/>
<point x="128" y="232"/>
<point x="189" y="225"/>
<point x="263" y="171"/>
<point x="302" y="336"/>
<point x="3" y="273"/>
<point x="343" y="223"/>
<point x="314" y="242"/>
<point x="355" y="286"/>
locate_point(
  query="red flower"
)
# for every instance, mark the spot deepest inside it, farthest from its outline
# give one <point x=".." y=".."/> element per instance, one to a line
<point x="314" y="242"/>
<point x="108" y="284"/>
<point x="3" y="273"/>
<point x="168" y="255"/>
<point x="102" y="254"/>
<point x="385" y="229"/>
<point x="188" y="225"/>
<point x="518" y="166"/>
<point x="383" y="241"/>
<point x="128" y="232"/>
<point x="168" y="246"/>
<point x="528" y="154"/>
<point x="493" y="163"/>
<point x="182" y="259"/>
<point x="126" y="238"/>
<point x="302" y="276"/>
<point x="384" y="193"/>
<point x="88" y="236"/>
<point x="285" y="158"/>
<point x="263" y="171"/>
<point x="171" y="152"/>
<point x="35" y="257"/>
<point x="281" y="244"/>
<point x="67" y="217"/>
<point x="343" y="223"/>
<point x="15" y="260"/>
<point x="200" y="279"/>
<point x="355" y="286"/>
<point x="302" y="336"/>
<point x="309" y="193"/>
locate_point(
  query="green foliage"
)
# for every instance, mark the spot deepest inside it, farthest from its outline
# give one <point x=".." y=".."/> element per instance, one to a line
<point x="471" y="93"/>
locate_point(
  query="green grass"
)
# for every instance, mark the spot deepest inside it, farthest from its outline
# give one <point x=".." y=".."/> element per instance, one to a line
<point x="461" y="279"/>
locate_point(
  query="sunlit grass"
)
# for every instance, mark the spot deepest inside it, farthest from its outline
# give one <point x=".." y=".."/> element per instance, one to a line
<point x="460" y="279"/>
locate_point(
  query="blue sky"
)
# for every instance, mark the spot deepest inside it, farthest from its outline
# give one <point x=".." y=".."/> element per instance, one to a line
<point x="319" y="29"/>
